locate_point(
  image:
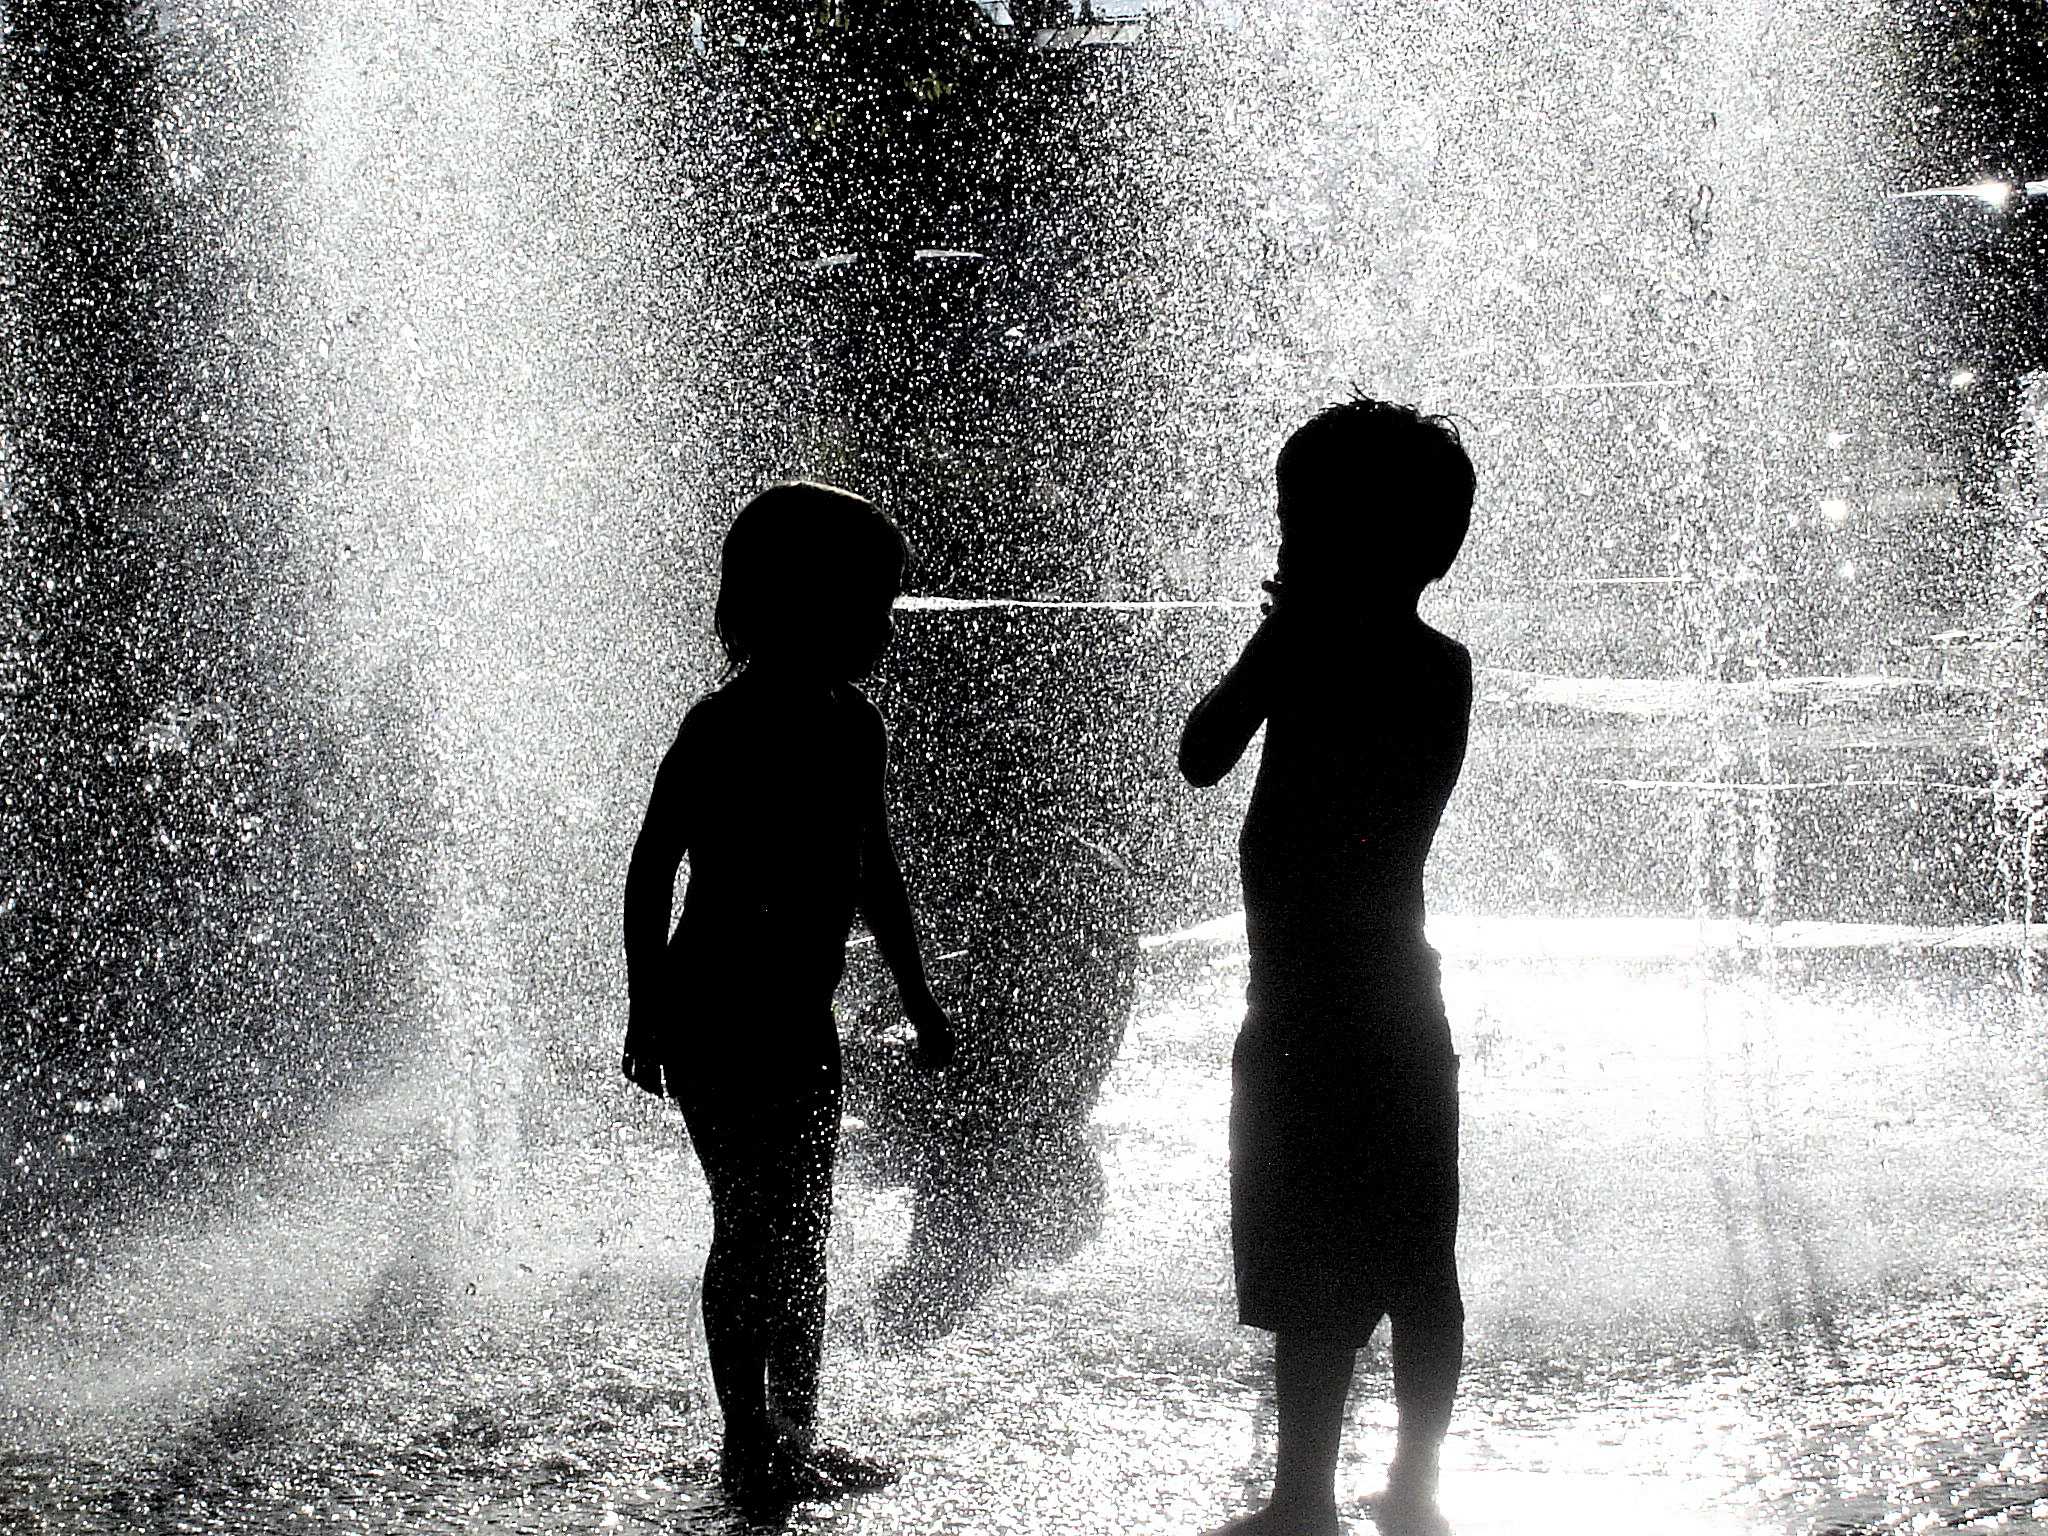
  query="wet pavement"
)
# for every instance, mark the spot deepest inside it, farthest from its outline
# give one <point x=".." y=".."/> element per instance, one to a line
<point x="1740" y="1258"/>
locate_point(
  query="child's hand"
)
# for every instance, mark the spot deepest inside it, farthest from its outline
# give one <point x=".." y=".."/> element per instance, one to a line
<point x="639" y="1062"/>
<point x="644" y="1070"/>
<point x="936" y="1042"/>
<point x="1281" y="620"/>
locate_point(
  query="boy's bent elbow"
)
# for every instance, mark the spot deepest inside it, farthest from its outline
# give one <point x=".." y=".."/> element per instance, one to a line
<point x="1216" y="734"/>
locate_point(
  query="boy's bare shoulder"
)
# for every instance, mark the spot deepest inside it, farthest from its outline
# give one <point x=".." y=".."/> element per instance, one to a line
<point x="1447" y="645"/>
<point x="863" y="719"/>
<point x="859" y="705"/>
<point x="1442" y="656"/>
<point x="1453" y="654"/>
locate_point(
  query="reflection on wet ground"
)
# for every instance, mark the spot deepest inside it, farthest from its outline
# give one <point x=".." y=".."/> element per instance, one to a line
<point x="1738" y="1262"/>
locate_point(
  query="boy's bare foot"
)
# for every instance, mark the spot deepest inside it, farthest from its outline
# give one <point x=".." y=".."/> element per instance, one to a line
<point x="1284" y="1520"/>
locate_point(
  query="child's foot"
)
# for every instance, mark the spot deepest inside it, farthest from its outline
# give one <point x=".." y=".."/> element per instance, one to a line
<point x="1284" y="1520"/>
<point x="853" y="1472"/>
<point x="764" y="1481"/>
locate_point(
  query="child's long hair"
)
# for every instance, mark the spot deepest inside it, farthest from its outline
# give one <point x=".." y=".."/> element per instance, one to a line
<point x="798" y="558"/>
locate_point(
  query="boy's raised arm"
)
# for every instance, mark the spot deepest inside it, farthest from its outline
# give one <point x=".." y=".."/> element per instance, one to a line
<point x="650" y="907"/>
<point x="1230" y="714"/>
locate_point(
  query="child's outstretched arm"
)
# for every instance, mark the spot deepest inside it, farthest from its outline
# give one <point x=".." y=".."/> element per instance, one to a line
<point x="885" y="908"/>
<point x="650" y="903"/>
<point x="1223" y="724"/>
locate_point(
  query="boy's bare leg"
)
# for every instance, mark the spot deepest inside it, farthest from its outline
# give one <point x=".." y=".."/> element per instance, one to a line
<point x="794" y="1357"/>
<point x="1311" y="1378"/>
<point x="1428" y="1350"/>
<point x="793" y="1360"/>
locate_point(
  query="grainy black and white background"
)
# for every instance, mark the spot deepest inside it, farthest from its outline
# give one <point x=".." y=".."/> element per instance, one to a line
<point x="378" y="377"/>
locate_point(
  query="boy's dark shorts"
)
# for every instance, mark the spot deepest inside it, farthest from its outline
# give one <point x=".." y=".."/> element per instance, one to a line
<point x="1343" y="1183"/>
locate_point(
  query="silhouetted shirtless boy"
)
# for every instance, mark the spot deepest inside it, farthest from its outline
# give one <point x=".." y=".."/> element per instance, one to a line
<point x="774" y="790"/>
<point x="1344" y="1110"/>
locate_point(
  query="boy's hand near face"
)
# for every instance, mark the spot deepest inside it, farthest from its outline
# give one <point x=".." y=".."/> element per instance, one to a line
<point x="1222" y="725"/>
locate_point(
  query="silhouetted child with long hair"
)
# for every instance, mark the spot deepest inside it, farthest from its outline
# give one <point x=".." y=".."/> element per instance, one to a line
<point x="1344" y="1107"/>
<point x="774" y="790"/>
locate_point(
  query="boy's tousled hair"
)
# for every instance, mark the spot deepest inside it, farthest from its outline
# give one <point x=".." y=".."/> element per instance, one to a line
<point x="1378" y="481"/>
<point x="799" y="551"/>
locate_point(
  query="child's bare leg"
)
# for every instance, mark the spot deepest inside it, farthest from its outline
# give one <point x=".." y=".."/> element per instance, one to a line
<point x="1311" y="1378"/>
<point x="793" y="1380"/>
<point x="736" y="1342"/>
<point x="802" y="1222"/>
<point x="1428" y="1350"/>
<point x="797" y="1343"/>
<point x="798" y="1346"/>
